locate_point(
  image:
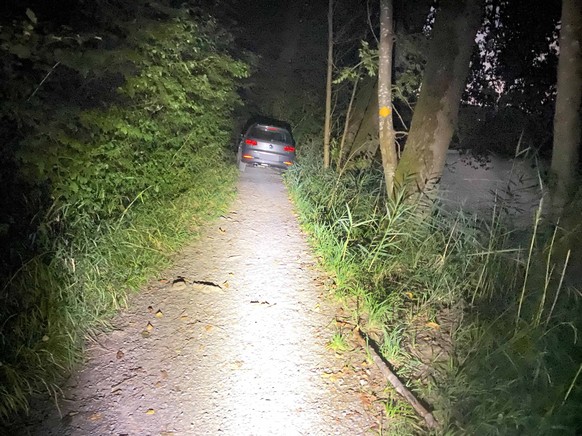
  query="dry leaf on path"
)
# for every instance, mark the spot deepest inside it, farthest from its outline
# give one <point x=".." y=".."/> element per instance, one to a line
<point x="433" y="325"/>
<point x="149" y="327"/>
<point x="150" y="412"/>
<point x="159" y="314"/>
<point x="95" y="417"/>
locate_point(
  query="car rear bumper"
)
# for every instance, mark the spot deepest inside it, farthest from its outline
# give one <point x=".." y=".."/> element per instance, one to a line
<point x="274" y="160"/>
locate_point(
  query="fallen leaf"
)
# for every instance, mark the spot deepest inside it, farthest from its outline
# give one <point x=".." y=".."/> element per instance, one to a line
<point x="95" y="417"/>
<point x="150" y="309"/>
<point x="145" y="334"/>
<point x="208" y="327"/>
<point x="159" y="314"/>
<point x="237" y="364"/>
<point x="149" y="327"/>
<point x="150" y="412"/>
<point x="120" y="354"/>
<point x="409" y="295"/>
<point x="226" y="284"/>
<point x="433" y="325"/>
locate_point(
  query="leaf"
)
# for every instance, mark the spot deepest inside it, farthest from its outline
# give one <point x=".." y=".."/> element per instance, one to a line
<point x="150" y="412"/>
<point x="31" y="16"/>
<point x="20" y="50"/>
<point x="95" y="417"/>
<point x="433" y="325"/>
<point x="149" y="327"/>
<point x="159" y="314"/>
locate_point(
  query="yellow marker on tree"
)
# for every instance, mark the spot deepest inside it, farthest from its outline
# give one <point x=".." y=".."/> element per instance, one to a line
<point x="385" y="111"/>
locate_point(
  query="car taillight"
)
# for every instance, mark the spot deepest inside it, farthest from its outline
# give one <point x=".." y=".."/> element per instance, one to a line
<point x="288" y="148"/>
<point x="250" y="142"/>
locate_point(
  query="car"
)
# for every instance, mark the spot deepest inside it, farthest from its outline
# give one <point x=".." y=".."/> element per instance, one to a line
<point x="266" y="144"/>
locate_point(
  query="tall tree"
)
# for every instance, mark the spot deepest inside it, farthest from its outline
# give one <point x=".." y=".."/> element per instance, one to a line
<point x="327" y="123"/>
<point x="386" y="127"/>
<point x="435" y="114"/>
<point x="565" y="155"/>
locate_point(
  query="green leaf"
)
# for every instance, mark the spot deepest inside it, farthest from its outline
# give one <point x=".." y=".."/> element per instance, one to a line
<point x="31" y="16"/>
<point x="20" y="50"/>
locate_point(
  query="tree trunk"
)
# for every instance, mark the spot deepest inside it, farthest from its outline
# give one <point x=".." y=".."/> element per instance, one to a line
<point x="565" y="152"/>
<point x="327" y="124"/>
<point x="386" y="128"/>
<point x="435" y="114"/>
<point x="347" y="125"/>
<point x="363" y="129"/>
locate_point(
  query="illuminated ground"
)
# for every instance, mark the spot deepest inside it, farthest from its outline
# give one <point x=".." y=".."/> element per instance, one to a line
<point x="245" y="357"/>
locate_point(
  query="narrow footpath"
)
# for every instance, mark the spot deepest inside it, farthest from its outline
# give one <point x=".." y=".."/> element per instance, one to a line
<point x="231" y="340"/>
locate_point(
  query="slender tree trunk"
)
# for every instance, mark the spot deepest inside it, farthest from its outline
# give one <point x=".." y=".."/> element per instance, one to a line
<point x="364" y="121"/>
<point x="386" y="128"/>
<point x="327" y="125"/>
<point x="565" y="152"/>
<point x="435" y="114"/>
<point x="347" y="124"/>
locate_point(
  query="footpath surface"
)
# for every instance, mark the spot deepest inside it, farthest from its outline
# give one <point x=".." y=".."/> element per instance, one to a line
<point x="230" y="341"/>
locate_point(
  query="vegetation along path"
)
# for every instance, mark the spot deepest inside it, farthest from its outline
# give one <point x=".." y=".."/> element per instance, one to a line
<point x="232" y="340"/>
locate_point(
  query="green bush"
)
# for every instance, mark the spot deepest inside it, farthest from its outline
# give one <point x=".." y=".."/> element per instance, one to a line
<point x="114" y="119"/>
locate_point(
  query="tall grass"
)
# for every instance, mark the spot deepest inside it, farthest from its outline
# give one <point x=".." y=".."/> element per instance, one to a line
<point x="58" y="298"/>
<point x="505" y="318"/>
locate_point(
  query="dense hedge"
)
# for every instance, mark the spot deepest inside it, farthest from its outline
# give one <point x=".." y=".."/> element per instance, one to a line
<point x="110" y="111"/>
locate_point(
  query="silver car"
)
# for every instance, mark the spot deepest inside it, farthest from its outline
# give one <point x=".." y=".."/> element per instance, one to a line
<point x="266" y="145"/>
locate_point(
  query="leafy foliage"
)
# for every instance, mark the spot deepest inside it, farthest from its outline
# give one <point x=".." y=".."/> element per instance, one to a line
<point x="109" y="114"/>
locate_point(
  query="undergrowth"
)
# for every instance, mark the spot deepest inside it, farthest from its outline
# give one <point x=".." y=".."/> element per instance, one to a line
<point x="66" y="295"/>
<point x="503" y="318"/>
<point x="114" y="117"/>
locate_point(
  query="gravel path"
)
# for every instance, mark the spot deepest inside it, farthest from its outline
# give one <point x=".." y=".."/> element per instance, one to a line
<point x="232" y="340"/>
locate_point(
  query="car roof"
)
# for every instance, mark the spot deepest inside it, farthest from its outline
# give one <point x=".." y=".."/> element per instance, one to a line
<point x="266" y="121"/>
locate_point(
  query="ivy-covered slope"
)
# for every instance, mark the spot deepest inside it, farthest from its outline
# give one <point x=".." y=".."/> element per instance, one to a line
<point x="113" y="121"/>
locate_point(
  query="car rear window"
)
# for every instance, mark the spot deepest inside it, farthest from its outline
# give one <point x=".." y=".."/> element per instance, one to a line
<point x="266" y="133"/>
